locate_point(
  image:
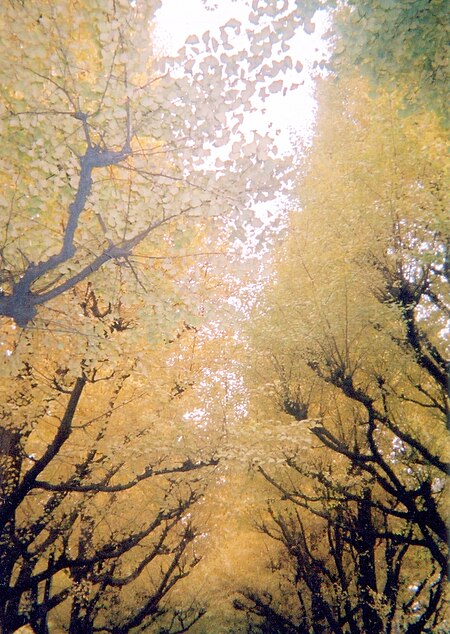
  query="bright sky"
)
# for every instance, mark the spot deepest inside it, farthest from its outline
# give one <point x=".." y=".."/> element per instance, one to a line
<point x="180" y="18"/>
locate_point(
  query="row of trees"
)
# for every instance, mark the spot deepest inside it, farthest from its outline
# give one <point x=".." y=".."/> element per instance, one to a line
<point x="117" y="205"/>
<point x="351" y="342"/>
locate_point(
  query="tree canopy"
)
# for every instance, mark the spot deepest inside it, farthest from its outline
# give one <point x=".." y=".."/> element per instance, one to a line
<point x="105" y="144"/>
<point x="351" y="341"/>
<point x="393" y="42"/>
<point x="201" y="431"/>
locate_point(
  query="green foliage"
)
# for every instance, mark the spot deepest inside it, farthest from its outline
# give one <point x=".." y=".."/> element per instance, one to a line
<point x="395" y="44"/>
<point x="399" y="42"/>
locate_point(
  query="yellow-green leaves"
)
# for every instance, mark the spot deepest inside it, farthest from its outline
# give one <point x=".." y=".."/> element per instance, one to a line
<point x="349" y="343"/>
<point x="107" y="143"/>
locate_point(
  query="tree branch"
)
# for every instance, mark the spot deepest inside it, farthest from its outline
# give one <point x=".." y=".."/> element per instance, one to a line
<point x="16" y="498"/>
<point x="149" y="472"/>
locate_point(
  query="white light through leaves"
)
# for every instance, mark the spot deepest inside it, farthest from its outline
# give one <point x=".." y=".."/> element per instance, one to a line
<point x="280" y="109"/>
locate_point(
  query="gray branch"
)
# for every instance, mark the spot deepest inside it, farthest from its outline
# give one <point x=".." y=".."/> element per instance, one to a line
<point x="21" y="303"/>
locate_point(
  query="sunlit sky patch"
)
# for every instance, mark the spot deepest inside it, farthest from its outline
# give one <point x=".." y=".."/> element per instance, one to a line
<point x="290" y="113"/>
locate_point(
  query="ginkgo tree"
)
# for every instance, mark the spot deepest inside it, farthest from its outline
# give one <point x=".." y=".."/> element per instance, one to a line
<point x="107" y="144"/>
<point x="97" y="492"/>
<point x="350" y="341"/>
